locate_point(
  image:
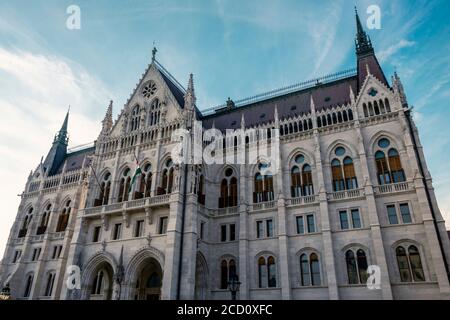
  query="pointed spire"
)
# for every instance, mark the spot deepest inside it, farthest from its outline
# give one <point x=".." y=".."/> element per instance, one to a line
<point x="362" y="41"/>
<point x="242" y="121"/>
<point x="398" y="89"/>
<point x="189" y="96"/>
<point x="313" y="106"/>
<point x="154" y="51"/>
<point x="352" y="95"/>
<point x="108" y="120"/>
<point x="61" y="136"/>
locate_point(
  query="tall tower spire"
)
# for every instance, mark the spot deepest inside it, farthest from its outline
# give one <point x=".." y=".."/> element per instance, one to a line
<point x="362" y="41"/>
<point x="189" y="96"/>
<point x="58" y="151"/>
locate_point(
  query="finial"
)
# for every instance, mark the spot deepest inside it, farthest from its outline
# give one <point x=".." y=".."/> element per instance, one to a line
<point x="154" y="52"/>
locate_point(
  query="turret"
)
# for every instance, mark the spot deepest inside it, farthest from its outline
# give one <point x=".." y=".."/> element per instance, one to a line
<point x="58" y="151"/>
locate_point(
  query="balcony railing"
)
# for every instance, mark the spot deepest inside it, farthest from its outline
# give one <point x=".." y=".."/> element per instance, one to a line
<point x="347" y="194"/>
<point x="129" y="205"/>
<point x="301" y="200"/>
<point x="263" y="205"/>
<point x="393" y="187"/>
<point x="58" y="235"/>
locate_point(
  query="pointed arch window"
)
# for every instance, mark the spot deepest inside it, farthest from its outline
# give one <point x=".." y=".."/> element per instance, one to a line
<point x="28" y="286"/>
<point x="301" y="178"/>
<point x="263" y="185"/>
<point x="167" y="178"/>
<point x="49" y="286"/>
<point x="227" y="272"/>
<point x="97" y="284"/>
<point x="356" y="266"/>
<point x="105" y="188"/>
<point x="309" y="269"/>
<point x="124" y="185"/>
<point x="389" y="169"/>
<point x="63" y="219"/>
<point x="135" y="118"/>
<point x="26" y="223"/>
<point x="267" y="272"/>
<point x="409" y="264"/>
<point x="228" y="190"/>
<point x="44" y="220"/>
<point x="201" y="189"/>
<point x="343" y="171"/>
<point x="155" y="113"/>
<point x="145" y="182"/>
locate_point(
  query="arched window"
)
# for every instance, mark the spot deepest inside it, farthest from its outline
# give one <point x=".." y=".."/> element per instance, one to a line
<point x="227" y="271"/>
<point x="309" y="269"/>
<point x="26" y="223"/>
<point x="267" y="272"/>
<point x="389" y="170"/>
<point x="356" y="267"/>
<point x="343" y="176"/>
<point x="301" y="180"/>
<point x="28" y="286"/>
<point x="63" y="219"/>
<point x="97" y="284"/>
<point x="124" y="186"/>
<point x="167" y="178"/>
<point x="44" y="220"/>
<point x="154" y="116"/>
<point x="409" y="264"/>
<point x="49" y="286"/>
<point x="135" y="118"/>
<point x="263" y="185"/>
<point x="228" y="190"/>
<point x="105" y="188"/>
<point x="145" y="182"/>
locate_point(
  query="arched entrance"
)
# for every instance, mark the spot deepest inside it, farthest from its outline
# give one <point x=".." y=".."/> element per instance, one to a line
<point x="149" y="280"/>
<point x="101" y="282"/>
<point x="201" y="276"/>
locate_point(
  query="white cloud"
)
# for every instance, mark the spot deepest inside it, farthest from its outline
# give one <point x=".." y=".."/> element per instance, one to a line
<point x="35" y="92"/>
<point x="386" y="54"/>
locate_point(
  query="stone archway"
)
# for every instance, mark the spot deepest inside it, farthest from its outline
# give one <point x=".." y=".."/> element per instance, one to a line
<point x="148" y="280"/>
<point x="100" y="283"/>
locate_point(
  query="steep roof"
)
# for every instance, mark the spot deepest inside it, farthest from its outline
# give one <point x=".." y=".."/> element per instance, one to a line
<point x="75" y="159"/>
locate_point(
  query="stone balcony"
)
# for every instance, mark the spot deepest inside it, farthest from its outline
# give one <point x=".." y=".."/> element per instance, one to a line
<point x="346" y="194"/>
<point x="129" y="205"/>
<point x="394" y="187"/>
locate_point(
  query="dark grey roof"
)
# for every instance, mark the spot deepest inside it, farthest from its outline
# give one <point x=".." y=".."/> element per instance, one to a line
<point x="325" y="96"/>
<point x="75" y="159"/>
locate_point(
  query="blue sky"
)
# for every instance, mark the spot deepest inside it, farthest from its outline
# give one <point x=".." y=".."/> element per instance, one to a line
<point x="234" y="48"/>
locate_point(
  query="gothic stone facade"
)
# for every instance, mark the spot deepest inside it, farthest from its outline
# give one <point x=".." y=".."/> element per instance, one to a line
<point x="352" y="190"/>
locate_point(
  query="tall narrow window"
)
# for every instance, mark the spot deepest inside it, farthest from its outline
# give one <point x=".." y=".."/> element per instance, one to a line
<point x="63" y="219"/>
<point x="145" y="182"/>
<point x="300" y="225"/>
<point x="200" y="190"/>
<point x="96" y="234"/>
<point x="259" y="229"/>
<point x="163" y="225"/>
<point x="262" y="272"/>
<point x="349" y="173"/>
<point x="301" y="179"/>
<point x="269" y="228"/>
<point x="382" y="168"/>
<point x="392" y="214"/>
<point x="398" y="175"/>
<point x="416" y="264"/>
<point x="49" y="286"/>
<point x="356" y="218"/>
<point x="352" y="272"/>
<point x="124" y="186"/>
<point x="343" y="216"/>
<point x="263" y="189"/>
<point x="271" y="272"/>
<point x="98" y="283"/>
<point x="139" y="230"/>
<point x="338" y="179"/>
<point x="315" y="269"/>
<point x="311" y="223"/>
<point x="26" y="223"/>
<point x="117" y="233"/>
<point x="232" y="232"/>
<point x="223" y="233"/>
<point x="28" y="286"/>
<point x="304" y="270"/>
<point x="167" y="178"/>
<point x="362" y="265"/>
<point x="406" y="215"/>
<point x="44" y="220"/>
<point x="403" y="265"/>
<point x="224" y="275"/>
